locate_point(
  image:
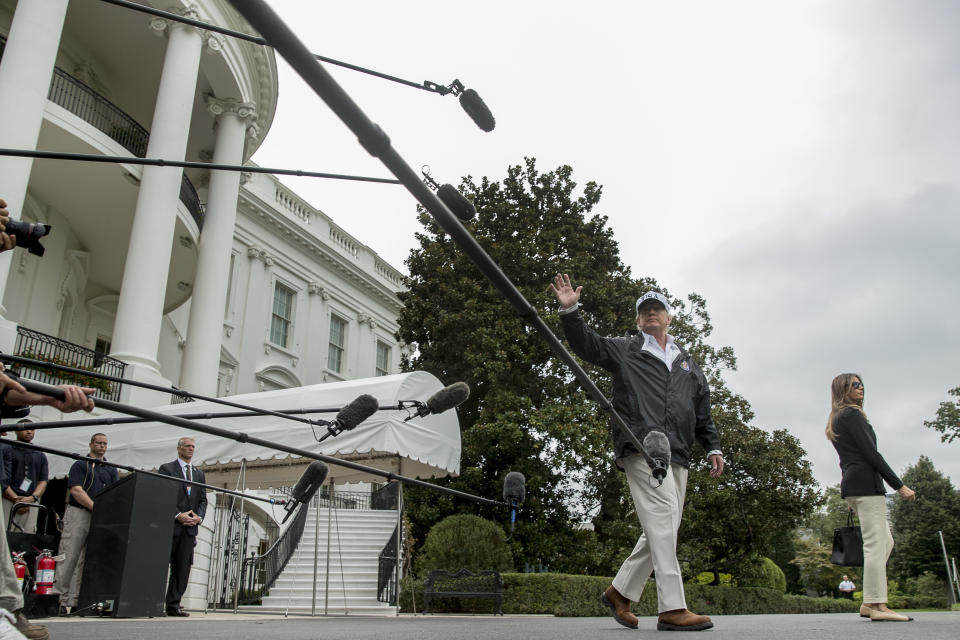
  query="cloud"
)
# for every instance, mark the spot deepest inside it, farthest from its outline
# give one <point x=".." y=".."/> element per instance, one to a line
<point x="873" y="291"/>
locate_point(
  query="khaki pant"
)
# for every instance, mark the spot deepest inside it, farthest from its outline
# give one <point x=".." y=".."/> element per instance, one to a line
<point x="877" y="545"/>
<point x="73" y="546"/>
<point x="659" y="510"/>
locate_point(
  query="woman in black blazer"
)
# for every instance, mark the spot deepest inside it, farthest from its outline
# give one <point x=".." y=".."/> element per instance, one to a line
<point x="864" y="471"/>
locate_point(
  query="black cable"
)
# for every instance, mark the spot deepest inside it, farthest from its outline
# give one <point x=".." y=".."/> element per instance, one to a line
<point x="187" y="164"/>
<point x="426" y="85"/>
<point x="88" y="460"/>
<point x="42" y="364"/>
<point x="377" y="143"/>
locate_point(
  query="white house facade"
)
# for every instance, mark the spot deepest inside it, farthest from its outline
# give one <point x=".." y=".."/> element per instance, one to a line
<point x="219" y="283"/>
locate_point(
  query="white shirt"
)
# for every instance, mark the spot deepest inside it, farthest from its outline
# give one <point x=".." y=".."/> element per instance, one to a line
<point x="668" y="355"/>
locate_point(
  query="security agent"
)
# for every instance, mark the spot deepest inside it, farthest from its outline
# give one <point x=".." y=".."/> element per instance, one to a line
<point x="86" y="479"/>
<point x="657" y="386"/>
<point x="29" y="473"/>
<point x="191" y="507"/>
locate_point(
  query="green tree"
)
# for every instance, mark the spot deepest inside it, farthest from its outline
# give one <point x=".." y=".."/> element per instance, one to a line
<point x="767" y="486"/>
<point x="916" y="524"/>
<point x="817" y="573"/>
<point x="947" y="421"/>
<point x="527" y="413"/>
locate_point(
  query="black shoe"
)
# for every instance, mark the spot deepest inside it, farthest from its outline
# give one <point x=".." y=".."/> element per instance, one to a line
<point x="63" y="612"/>
<point x="178" y="613"/>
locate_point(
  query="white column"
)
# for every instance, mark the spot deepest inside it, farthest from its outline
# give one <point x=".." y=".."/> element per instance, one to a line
<point x="136" y="332"/>
<point x="201" y="358"/>
<point x="25" y="71"/>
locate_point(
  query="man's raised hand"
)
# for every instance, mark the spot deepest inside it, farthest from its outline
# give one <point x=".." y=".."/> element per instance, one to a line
<point x="567" y="296"/>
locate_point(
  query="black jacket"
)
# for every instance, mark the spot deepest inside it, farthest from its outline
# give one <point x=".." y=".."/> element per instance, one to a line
<point x="196" y="501"/>
<point x="864" y="469"/>
<point x="647" y="394"/>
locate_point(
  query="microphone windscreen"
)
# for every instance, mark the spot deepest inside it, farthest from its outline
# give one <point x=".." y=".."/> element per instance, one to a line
<point x="357" y="411"/>
<point x="310" y="481"/>
<point x="514" y="487"/>
<point x="657" y="446"/>
<point x="456" y="202"/>
<point x="478" y="111"/>
<point x="449" y="397"/>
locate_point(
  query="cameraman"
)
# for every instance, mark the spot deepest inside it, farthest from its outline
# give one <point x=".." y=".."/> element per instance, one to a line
<point x="12" y="395"/>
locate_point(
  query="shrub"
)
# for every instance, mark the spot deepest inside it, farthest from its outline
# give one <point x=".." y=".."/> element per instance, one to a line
<point x="803" y="604"/>
<point x="464" y="542"/>
<point x="763" y="573"/>
<point x="579" y="596"/>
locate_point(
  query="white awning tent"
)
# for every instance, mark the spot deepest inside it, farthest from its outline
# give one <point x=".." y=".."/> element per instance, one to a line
<point x="424" y="447"/>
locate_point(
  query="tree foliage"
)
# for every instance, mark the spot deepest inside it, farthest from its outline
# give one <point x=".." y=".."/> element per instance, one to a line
<point x="527" y="413"/>
<point x="947" y="421"/>
<point x="767" y="486"/>
<point x="916" y="525"/>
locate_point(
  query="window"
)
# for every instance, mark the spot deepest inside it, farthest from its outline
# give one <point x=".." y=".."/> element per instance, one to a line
<point x="101" y="349"/>
<point x="282" y="315"/>
<point x="383" y="358"/>
<point x="338" y="334"/>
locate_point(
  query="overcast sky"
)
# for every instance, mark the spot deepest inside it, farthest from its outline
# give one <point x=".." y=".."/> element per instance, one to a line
<point x="796" y="163"/>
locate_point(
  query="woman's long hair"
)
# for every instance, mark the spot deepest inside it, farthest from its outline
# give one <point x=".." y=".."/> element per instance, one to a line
<point x="839" y="389"/>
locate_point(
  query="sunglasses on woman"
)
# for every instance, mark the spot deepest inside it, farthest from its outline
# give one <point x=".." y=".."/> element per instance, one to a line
<point x="856" y="385"/>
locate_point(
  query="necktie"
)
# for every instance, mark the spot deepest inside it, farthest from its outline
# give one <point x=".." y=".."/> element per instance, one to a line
<point x="189" y="477"/>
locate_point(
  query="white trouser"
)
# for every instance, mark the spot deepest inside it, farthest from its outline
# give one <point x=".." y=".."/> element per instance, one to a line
<point x="659" y="510"/>
<point x="877" y="545"/>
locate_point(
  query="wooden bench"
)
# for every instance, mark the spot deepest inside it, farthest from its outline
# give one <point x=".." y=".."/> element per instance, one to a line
<point x="463" y="584"/>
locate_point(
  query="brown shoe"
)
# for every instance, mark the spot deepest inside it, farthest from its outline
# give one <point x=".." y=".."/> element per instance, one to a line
<point x="865" y="610"/>
<point x="30" y="631"/>
<point x="620" y="607"/>
<point x="682" y="620"/>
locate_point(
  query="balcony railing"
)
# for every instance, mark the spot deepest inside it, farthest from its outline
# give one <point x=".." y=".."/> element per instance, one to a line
<point x="40" y="346"/>
<point x="84" y="102"/>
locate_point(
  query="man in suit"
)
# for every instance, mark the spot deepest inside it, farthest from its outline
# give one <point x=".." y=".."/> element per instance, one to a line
<point x="191" y="505"/>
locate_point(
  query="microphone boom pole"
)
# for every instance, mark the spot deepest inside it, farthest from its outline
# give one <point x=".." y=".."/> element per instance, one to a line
<point x="153" y="416"/>
<point x="40" y="364"/>
<point x="377" y="144"/>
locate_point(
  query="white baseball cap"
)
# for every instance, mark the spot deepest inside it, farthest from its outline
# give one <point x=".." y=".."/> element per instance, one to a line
<point x="657" y="297"/>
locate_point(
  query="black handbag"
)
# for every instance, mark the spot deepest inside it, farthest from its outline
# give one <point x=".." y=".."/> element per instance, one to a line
<point x="847" y="544"/>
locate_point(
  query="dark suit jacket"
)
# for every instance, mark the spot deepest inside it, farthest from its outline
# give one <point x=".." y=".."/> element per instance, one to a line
<point x="196" y="501"/>
<point x="864" y="469"/>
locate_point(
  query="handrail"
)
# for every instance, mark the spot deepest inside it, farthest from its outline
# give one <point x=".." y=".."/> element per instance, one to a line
<point x="260" y="572"/>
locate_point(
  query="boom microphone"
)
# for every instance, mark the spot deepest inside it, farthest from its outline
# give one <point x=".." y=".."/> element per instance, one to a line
<point x="306" y="486"/>
<point x="456" y="202"/>
<point x="658" y="446"/>
<point x="353" y="414"/>
<point x="447" y="398"/>
<point x="514" y="491"/>
<point x="478" y="111"/>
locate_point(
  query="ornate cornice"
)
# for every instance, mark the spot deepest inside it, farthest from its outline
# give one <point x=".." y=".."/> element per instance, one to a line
<point x="161" y="27"/>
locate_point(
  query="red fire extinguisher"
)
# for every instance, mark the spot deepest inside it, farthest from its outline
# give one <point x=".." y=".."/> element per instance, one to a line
<point x="46" y="569"/>
<point x="20" y="567"/>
